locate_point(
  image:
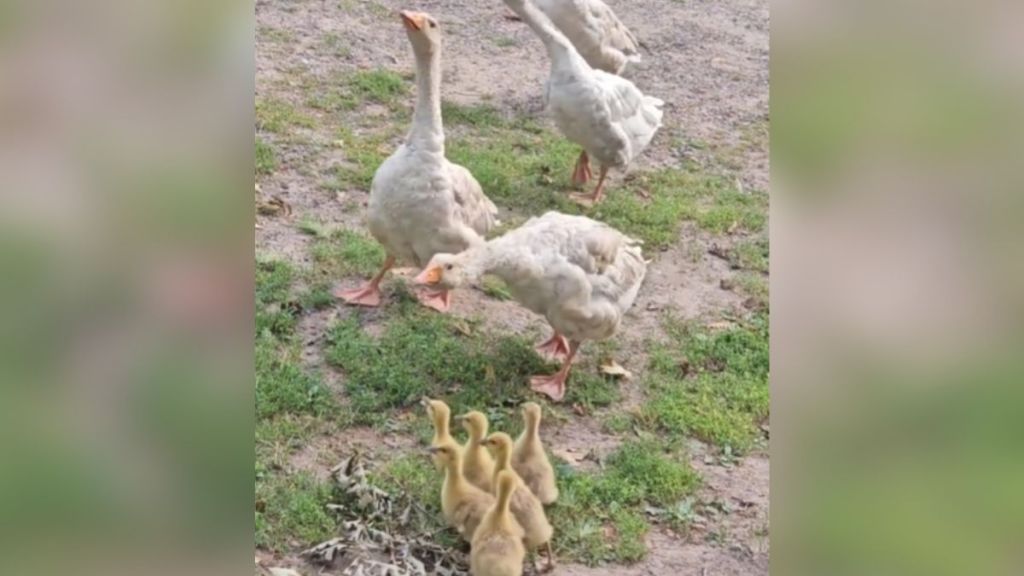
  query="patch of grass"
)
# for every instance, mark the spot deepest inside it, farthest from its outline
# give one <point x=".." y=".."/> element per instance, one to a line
<point x="658" y="478"/>
<point x="364" y="155"/>
<point x="525" y="167"/>
<point x="729" y="209"/>
<point x="755" y="286"/>
<point x="518" y="167"/>
<point x="590" y="389"/>
<point x="380" y="86"/>
<point x="505" y="41"/>
<point x="317" y="297"/>
<point x="421" y="353"/>
<point x="345" y="252"/>
<point x="336" y="45"/>
<point x="266" y="160"/>
<point x="618" y="423"/>
<point x="479" y="115"/>
<point x="277" y="438"/>
<point x="273" y="281"/>
<point x="495" y="288"/>
<point x="600" y="517"/>
<point x="710" y="384"/>
<point x="273" y="314"/>
<point x="275" y="35"/>
<point x="291" y="512"/>
<point x="279" y="117"/>
<point x="751" y="255"/>
<point x="316" y="228"/>
<point x="282" y="386"/>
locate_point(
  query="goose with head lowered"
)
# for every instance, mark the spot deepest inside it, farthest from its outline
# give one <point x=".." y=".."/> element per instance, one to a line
<point x="582" y="275"/>
<point x="605" y="114"/>
<point x="420" y="203"/>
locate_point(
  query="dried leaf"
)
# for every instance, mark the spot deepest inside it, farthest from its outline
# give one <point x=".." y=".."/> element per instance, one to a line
<point x="462" y="327"/>
<point x="570" y="456"/>
<point x="613" y="368"/>
<point x="275" y="206"/>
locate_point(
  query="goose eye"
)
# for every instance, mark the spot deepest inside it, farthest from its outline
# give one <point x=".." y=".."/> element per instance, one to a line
<point x="448" y="266"/>
<point x="433" y="24"/>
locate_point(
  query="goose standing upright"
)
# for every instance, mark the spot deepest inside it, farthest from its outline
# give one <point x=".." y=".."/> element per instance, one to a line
<point x="605" y="114"/>
<point x="582" y="275"/>
<point x="420" y="203"/>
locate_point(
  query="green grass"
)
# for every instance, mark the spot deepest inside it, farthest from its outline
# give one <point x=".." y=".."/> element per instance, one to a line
<point x="266" y="160"/>
<point x="751" y="255"/>
<point x="493" y="287"/>
<point x="280" y="117"/>
<point x="380" y="86"/>
<point x="360" y="88"/>
<point x="710" y="384"/>
<point x="754" y="286"/>
<point x="600" y="517"/>
<point x="273" y="315"/>
<point x="274" y="35"/>
<point x="364" y="155"/>
<point x="282" y="386"/>
<point x="291" y="512"/>
<point x="480" y="115"/>
<point x="346" y="253"/>
<point x="422" y="353"/>
<point x="336" y="45"/>
<point x="526" y="167"/>
<point x="279" y="437"/>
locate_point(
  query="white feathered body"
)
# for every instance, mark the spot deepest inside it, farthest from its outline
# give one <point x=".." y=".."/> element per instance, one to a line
<point x="605" y="114"/>
<point x="422" y="204"/>
<point x="596" y="32"/>
<point x="580" y="274"/>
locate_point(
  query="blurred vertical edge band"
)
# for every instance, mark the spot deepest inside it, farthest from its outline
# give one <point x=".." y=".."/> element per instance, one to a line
<point x="897" y="195"/>
<point x="126" y="287"/>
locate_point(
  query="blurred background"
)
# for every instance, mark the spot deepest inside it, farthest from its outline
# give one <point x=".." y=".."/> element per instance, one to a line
<point x="897" y="190"/>
<point x="126" y="287"/>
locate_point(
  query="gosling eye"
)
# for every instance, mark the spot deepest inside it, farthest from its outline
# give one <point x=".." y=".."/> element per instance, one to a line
<point x="448" y="266"/>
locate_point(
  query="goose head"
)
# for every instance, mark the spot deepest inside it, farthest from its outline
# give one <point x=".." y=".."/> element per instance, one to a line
<point x="446" y="271"/>
<point x="423" y="31"/>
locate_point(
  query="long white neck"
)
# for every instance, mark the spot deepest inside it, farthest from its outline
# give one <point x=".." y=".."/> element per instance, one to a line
<point x="560" y="49"/>
<point x="499" y="256"/>
<point x="427" y="131"/>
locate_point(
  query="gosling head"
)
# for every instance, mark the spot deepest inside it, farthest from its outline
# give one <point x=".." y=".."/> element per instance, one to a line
<point x="445" y="272"/>
<point x="499" y="443"/>
<point x="423" y="31"/>
<point x="436" y="409"/>
<point x="475" y="424"/>
<point x="531" y="412"/>
<point x="446" y="453"/>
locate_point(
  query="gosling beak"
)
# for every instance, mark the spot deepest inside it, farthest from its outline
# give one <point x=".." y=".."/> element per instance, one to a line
<point x="460" y="417"/>
<point x="425" y="402"/>
<point x="412" y="20"/>
<point x="430" y="275"/>
<point x="433" y="450"/>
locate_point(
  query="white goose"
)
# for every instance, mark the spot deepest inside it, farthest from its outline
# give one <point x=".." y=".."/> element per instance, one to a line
<point x="596" y="32"/>
<point x="420" y="203"/>
<point x="582" y="275"/>
<point x="605" y="114"/>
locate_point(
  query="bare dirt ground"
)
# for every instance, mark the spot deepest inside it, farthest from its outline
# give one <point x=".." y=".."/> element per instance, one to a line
<point x="707" y="59"/>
